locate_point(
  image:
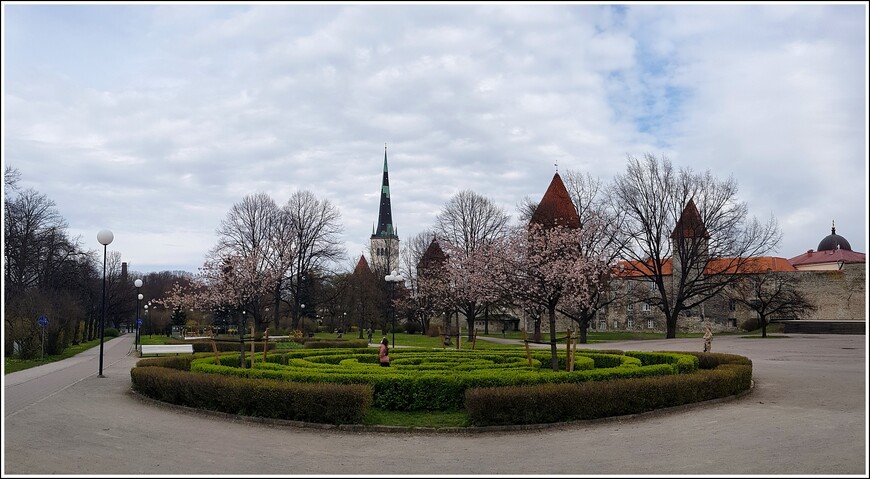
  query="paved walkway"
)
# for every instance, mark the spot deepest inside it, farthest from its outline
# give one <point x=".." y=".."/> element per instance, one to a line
<point x="807" y="415"/>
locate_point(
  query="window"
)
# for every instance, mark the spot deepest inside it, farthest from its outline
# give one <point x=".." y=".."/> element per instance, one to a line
<point x="630" y="323"/>
<point x="645" y="307"/>
<point x="602" y="325"/>
<point x="732" y="305"/>
<point x="649" y="323"/>
<point x="630" y="307"/>
<point x="616" y="325"/>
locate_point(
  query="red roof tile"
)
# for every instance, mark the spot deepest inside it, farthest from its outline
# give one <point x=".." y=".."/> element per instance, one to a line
<point x="556" y="207"/>
<point x="828" y="256"/>
<point x="690" y="224"/>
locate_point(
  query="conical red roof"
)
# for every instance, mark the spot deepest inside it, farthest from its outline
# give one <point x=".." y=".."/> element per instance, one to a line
<point x="433" y="257"/>
<point x="362" y="266"/>
<point x="690" y="224"/>
<point x="556" y="207"/>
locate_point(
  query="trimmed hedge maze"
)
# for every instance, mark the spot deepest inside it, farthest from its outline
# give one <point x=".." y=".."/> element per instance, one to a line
<point x="495" y="387"/>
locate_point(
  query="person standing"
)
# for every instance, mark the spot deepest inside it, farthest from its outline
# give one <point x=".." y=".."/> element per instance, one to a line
<point x="708" y="339"/>
<point x="384" y="353"/>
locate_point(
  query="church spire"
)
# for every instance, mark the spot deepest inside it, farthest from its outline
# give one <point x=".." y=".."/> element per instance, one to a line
<point x="385" y="214"/>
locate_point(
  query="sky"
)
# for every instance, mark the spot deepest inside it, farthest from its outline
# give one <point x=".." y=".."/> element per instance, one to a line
<point x="152" y="120"/>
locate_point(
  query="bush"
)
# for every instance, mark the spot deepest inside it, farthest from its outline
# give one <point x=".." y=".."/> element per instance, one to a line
<point x="413" y="327"/>
<point x="750" y="324"/>
<point x="720" y="375"/>
<point x="321" y="403"/>
<point x="317" y="343"/>
<point x="111" y="333"/>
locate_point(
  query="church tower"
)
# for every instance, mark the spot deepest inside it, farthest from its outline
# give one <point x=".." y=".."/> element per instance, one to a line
<point x="385" y="240"/>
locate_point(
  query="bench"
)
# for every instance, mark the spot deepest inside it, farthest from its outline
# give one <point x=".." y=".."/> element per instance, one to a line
<point x="165" y="348"/>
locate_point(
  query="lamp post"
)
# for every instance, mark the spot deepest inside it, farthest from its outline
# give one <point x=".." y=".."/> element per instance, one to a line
<point x="105" y="237"/>
<point x="146" y="318"/>
<point x="393" y="278"/>
<point x="137" y="284"/>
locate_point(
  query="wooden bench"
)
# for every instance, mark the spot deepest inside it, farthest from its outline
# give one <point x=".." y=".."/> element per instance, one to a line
<point x="165" y="348"/>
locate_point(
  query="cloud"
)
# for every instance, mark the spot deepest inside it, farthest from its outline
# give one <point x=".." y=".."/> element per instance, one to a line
<point x="157" y="126"/>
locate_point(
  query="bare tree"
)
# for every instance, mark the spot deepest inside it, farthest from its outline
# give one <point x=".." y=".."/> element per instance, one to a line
<point x="315" y="230"/>
<point x="412" y="252"/>
<point x="692" y="221"/>
<point x="772" y="294"/>
<point x="247" y="233"/>
<point x="32" y="230"/>
<point x="468" y="223"/>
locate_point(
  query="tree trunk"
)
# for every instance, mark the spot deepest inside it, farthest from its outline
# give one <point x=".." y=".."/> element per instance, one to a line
<point x="584" y="327"/>
<point x="537" y="337"/>
<point x="78" y="327"/>
<point x="672" y="326"/>
<point x="763" y="321"/>
<point x="276" y="316"/>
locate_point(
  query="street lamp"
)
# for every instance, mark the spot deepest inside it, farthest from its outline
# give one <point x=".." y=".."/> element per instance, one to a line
<point x="137" y="284"/>
<point x="393" y="278"/>
<point x="146" y="318"/>
<point x="105" y="237"/>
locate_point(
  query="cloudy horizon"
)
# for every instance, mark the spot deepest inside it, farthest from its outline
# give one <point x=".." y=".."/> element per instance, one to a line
<point x="152" y="120"/>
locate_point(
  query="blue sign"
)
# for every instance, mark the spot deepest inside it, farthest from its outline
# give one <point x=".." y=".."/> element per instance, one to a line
<point x="139" y="322"/>
<point x="42" y="321"/>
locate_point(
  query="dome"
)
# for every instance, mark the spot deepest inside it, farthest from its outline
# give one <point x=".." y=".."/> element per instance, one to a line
<point x="833" y="242"/>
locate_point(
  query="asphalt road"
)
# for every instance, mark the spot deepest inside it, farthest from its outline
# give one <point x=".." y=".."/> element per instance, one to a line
<point x="806" y="415"/>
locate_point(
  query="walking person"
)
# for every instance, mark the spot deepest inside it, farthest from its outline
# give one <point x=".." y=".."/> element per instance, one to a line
<point x="708" y="339"/>
<point x="384" y="353"/>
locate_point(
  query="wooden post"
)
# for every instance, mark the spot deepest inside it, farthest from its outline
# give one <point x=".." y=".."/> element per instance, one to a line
<point x="253" y="351"/>
<point x="568" y="349"/>
<point x="458" y="331"/>
<point x="574" y="350"/>
<point x="217" y="357"/>
<point x="526" y="342"/>
<point x="265" y="343"/>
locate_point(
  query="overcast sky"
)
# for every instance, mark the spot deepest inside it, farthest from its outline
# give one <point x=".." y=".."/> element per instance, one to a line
<point x="153" y="120"/>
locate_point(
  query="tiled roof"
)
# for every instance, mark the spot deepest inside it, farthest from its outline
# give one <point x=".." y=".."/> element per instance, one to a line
<point x="362" y="263"/>
<point x="433" y="256"/>
<point x="828" y="256"/>
<point x="759" y="264"/>
<point x="556" y="207"/>
<point x="636" y="269"/>
<point x="690" y="224"/>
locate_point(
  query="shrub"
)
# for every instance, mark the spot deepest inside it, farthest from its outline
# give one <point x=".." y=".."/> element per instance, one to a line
<point x="110" y="333"/>
<point x="720" y="376"/>
<point x="316" y="343"/>
<point x="321" y="403"/>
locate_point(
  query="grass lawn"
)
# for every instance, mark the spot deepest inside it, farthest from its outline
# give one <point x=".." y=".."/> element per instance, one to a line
<point x="12" y="364"/>
<point x="417" y="418"/>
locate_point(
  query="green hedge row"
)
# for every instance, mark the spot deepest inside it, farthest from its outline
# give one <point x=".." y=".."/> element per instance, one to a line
<point x="719" y="375"/>
<point x="204" y="345"/>
<point x="316" y="343"/>
<point x="423" y="380"/>
<point x="319" y="403"/>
